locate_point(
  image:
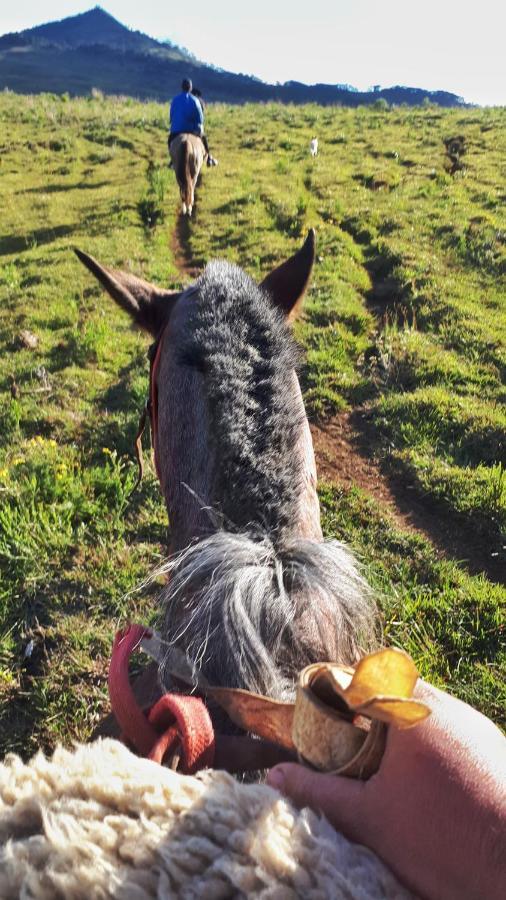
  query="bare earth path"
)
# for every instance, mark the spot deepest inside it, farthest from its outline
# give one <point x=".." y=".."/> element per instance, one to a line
<point x="343" y="455"/>
<point x="180" y="248"/>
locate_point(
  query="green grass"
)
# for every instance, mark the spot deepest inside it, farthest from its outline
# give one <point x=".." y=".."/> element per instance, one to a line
<point x="452" y="624"/>
<point x="404" y="319"/>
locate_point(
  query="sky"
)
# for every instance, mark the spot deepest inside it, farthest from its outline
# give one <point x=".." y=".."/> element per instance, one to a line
<point x="431" y="44"/>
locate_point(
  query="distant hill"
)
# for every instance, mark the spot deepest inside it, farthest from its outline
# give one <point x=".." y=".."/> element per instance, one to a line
<point x="94" y="50"/>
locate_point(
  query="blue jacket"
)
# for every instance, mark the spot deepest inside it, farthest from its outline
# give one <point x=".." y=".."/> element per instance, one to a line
<point x="186" y="114"/>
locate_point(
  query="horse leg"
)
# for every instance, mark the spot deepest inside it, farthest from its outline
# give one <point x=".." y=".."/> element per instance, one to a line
<point x="187" y="205"/>
<point x="193" y="182"/>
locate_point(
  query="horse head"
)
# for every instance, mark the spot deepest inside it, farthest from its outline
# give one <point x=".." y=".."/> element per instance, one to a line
<point x="254" y="592"/>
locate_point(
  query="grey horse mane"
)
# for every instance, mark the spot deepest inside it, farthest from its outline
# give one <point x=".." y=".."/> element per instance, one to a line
<point x="232" y="604"/>
<point x="241" y="344"/>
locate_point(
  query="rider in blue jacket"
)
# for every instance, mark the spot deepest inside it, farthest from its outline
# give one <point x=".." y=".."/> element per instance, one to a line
<point x="187" y="116"/>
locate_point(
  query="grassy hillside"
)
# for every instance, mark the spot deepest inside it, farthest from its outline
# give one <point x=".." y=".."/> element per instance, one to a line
<point x="404" y="332"/>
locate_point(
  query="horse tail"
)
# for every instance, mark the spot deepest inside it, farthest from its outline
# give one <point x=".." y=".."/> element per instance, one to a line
<point x="251" y="615"/>
<point x="183" y="174"/>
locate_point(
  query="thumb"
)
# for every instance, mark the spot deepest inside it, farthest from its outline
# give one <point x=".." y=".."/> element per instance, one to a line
<point x="340" y="799"/>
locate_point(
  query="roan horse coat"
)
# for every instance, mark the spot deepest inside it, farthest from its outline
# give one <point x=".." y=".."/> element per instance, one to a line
<point x="253" y="593"/>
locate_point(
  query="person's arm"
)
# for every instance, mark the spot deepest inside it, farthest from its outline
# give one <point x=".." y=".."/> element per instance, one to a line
<point x="171" y="113"/>
<point x="435" y="812"/>
<point x="198" y="115"/>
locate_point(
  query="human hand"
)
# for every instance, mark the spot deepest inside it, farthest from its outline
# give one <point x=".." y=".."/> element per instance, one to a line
<point x="435" y="811"/>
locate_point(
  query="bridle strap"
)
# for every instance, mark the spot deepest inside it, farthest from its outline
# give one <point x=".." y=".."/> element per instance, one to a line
<point x="155" y="354"/>
<point x="150" y="410"/>
<point x="138" y="447"/>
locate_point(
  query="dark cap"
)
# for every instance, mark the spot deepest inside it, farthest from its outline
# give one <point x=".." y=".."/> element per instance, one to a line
<point x="186" y="84"/>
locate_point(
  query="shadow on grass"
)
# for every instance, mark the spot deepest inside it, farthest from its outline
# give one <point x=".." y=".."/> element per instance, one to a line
<point x="41" y="261"/>
<point x="60" y="188"/>
<point x="65" y="353"/>
<point x="19" y="243"/>
<point x="23" y="716"/>
<point x="108" y="140"/>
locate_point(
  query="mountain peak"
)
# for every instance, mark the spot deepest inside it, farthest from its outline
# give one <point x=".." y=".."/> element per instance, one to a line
<point x="98" y="10"/>
<point x="98" y="15"/>
<point x="95" y="26"/>
<point x="95" y="12"/>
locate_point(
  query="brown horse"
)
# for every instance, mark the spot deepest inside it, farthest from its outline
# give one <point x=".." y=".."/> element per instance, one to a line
<point x="187" y="153"/>
<point x="254" y="592"/>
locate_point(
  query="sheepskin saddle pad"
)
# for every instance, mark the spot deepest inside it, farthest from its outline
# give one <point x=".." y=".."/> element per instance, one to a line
<point x="97" y="822"/>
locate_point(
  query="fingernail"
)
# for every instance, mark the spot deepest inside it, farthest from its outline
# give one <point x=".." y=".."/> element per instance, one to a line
<point x="276" y="780"/>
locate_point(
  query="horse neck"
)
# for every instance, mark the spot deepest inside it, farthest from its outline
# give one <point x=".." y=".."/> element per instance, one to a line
<point x="189" y="462"/>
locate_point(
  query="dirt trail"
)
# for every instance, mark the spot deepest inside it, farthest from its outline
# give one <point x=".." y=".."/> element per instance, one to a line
<point x="180" y="247"/>
<point x="342" y="457"/>
<point x="343" y="447"/>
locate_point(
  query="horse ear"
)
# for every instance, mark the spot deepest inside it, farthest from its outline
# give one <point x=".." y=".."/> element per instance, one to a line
<point x="287" y="284"/>
<point x="149" y="306"/>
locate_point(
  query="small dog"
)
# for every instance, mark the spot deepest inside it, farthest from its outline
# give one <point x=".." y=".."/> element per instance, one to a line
<point x="314" y="147"/>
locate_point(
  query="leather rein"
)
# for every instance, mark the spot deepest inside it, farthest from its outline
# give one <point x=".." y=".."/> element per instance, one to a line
<point x="150" y="411"/>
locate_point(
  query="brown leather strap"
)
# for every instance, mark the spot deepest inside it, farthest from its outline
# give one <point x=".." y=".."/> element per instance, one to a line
<point x="138" y="447"/>
<point x="150" y="409"/>
<point x="234" y="753"/>
<point x="238" y="753"/>
<point x="153" y="398"/>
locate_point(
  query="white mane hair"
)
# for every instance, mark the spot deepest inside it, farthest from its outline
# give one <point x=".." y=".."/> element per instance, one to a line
<point x="249" y="613"/>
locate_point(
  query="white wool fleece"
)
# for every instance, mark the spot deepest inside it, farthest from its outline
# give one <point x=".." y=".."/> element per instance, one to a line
<point x="98" y="822"/>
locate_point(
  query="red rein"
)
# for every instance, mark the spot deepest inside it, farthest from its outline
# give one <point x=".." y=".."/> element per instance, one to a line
<point x="175" y="725"/>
